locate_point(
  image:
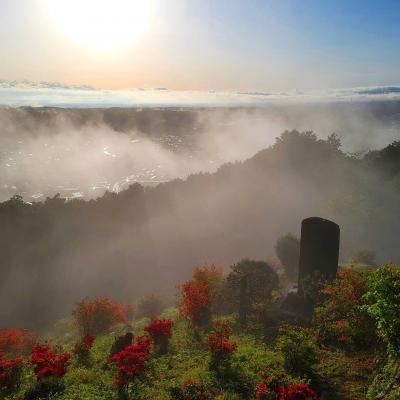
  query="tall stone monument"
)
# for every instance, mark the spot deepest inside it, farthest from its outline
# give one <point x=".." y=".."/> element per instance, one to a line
<point x="319" y="257"/>
<point x="319" y="250"/>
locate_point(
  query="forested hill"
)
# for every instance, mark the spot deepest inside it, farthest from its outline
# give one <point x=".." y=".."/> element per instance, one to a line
<point x="55" y="252"/>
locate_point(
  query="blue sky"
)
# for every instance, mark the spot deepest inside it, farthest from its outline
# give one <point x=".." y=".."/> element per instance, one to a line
<point x="204" y="44"/>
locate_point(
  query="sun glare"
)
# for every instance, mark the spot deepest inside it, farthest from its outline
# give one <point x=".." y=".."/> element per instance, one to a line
<point x="102" y="25"/>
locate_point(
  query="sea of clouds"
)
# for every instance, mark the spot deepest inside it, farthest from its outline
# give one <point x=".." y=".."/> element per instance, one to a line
<point x="51" y="94"/>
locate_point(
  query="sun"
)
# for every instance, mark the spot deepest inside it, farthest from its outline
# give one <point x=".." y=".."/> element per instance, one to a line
<point x="102" y="25"/>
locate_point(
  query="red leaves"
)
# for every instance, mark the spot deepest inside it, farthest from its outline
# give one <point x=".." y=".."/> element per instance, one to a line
<point x="196" y="295"/>
<point x="16" y="341"/>
<point x="300" y="391"/>
<point x="262" y="390"/>
<point x="220" y="347"/>
<point x="48" y="363"/>
<point x="341" y="318"/>
<point x="160" y="331"/>
<point x="265" y="392"/>
<point x="9" y="371"/>
<point x="82" y="349"/>
<point x="276" y="388"/>
<point x="97" y="316"/>
<point x="88" y="341"/>
<point x="122" y="312"/>
<point x="160" y="328"/>
<point x="348" y="290"/>
<point x="219" y="344"/>
<point x="131" y="361"/>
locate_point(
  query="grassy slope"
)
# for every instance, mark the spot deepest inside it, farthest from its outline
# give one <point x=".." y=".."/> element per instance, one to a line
<point x="189" y="359"/>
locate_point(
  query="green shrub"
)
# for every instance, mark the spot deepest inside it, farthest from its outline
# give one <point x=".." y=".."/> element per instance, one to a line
<point x="249" y="289"/>
<point x="384" y="298"/>
<point x="191" y="390"/>
<point x="299" y="350"/>
<point x="247" y="363"/>
<point x="384" y="304"/>
<point x="45" y="389"/>
<point x="383" y="384"/>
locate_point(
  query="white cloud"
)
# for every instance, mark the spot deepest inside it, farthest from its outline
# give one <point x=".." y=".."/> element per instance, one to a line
<point x="26" y="93"/>
<point x="7" y="84"/>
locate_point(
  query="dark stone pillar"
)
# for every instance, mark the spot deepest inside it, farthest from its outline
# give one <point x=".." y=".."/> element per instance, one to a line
<point x="319" y="250"/>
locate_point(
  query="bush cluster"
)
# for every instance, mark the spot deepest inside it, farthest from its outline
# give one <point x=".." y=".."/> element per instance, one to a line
<point x="197" y="294"/>
<point x="160" y="332"/>
<point x="341" y="319"/>
<point x="299" y="350"/>
<point x="95" y="317"/>
<point x="82" y="349"/>
<point x="220" y="346"/>
<point x="131" y="362"/>
<point x="10" y="373"/>
<point x="277" y="387"/>
<point x="191" y="390"/>
<point x="48" y="363"/>
<point x="16" y="342"/>
<point x="303" y="361"/>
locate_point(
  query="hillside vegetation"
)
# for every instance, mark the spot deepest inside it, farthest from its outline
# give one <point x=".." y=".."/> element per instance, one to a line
<point x="196" y="351"/>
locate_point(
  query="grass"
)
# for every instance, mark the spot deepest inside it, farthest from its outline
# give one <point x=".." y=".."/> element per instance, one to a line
<point x="188" y="359"/>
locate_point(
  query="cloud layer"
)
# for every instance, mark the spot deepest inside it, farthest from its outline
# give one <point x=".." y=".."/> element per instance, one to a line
<point x="26" y="93"/>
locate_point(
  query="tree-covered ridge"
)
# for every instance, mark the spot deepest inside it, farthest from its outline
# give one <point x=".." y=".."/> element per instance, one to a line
<point x="148" y="234"/>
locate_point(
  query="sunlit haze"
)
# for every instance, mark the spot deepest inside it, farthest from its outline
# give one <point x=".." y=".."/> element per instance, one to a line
<point x="102" y="25"/>
<point x="257" y="45"/>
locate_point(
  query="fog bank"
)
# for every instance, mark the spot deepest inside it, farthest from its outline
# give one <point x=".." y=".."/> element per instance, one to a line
<point x="84" y="152"/>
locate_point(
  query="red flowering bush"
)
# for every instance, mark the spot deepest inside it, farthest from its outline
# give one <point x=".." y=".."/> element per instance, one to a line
<point x="131" y="362"/>
<point x="195" y="304"/>
<point x="191" y="390"/>
<point x="10" y="373"/>
<point x="82" y="349"/>
<point x="48" y="363"/>
<point x="273" y="386"/>
<point x="341" y="319"/>
<point x="97" y="316"/>
<point x="300" y="391"/>
<point x="220" y="346"/>
<point x="197" y="294"/>
<point x="16" y="341"/>
<point x="160" y="331"/>
<point x="278" y="388"/>
<point x="264" y="392"/>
